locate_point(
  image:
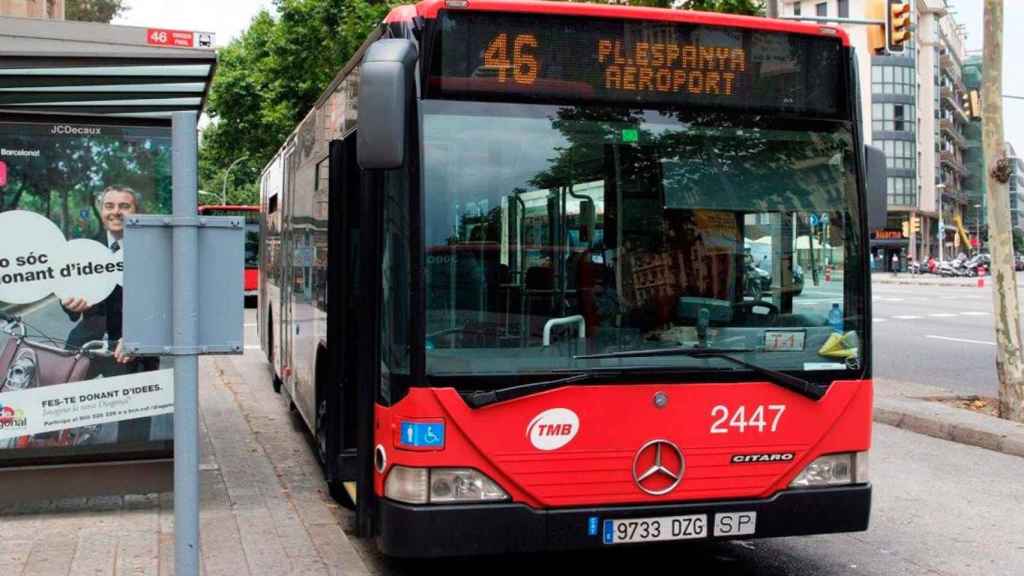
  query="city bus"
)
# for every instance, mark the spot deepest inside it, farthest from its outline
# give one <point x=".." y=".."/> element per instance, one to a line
<point x="251" y="272"/>
<point x="530" y="223"/>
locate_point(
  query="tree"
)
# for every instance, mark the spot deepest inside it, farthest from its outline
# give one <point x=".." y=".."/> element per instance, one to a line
<point x="1009" y="355"/>
<point x="268" y="80"/>
<point x="94" y="10"/>
<point x="748" y="7"/>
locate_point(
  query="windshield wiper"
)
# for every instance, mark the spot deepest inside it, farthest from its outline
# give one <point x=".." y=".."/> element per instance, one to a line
<point x="787" y="381"/>
<point x="482" y="398"/>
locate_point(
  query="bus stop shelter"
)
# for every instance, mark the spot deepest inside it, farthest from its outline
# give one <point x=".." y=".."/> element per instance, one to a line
<point x="84" y="107"/>
<point x="59" y="67"/>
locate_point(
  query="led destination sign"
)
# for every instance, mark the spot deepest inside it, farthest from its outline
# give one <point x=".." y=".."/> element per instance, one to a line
<point x="624" y="61"/>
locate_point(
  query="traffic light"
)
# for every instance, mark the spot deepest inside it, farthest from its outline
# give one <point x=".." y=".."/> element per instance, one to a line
<point x="905" y="225"/>
<point x="975" y="108"/>
<point x="898" y="25"/>
<point x="878" y="33"/>
<point x="915" y="224"/>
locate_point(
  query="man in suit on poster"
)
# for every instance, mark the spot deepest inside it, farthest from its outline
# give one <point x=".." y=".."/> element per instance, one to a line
<point x="104" y="319"/>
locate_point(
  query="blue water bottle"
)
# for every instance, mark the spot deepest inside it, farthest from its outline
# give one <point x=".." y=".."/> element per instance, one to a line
<point x="835" y="319"/>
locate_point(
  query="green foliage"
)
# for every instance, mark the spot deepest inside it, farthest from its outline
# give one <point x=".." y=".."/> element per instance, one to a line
<point x="748" y="7"/>
<point x="268" y="80"/>
<point x="66" y="191"/>
<point x="94" y="10"/>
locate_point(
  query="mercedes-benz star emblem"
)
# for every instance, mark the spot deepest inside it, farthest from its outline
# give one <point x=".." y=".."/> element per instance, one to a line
<point x="658" y="467"/>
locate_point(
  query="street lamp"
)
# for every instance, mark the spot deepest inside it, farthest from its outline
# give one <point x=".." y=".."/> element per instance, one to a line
<point x="224" y="189"/>
<point x="942" y="228"/>
<point x="977" y="225"/>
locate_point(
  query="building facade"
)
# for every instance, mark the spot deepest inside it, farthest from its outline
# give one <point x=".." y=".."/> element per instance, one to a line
<point x="52" y="9"/>
<point x="975" y="183"/>
<point x="1016" y="186"/>
<point x="913" y="109"/>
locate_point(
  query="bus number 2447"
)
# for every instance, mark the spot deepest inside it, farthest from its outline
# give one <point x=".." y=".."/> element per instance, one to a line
<point x="726" y="421"/>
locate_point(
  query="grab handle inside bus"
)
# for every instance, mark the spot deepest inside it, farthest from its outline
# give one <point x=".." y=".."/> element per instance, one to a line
<point x="567" y="320"/>
<point x="875" y="184"/>
<point x="385" y="81"/>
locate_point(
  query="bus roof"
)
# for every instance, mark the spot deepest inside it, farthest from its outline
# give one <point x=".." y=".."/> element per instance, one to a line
<point x="430" y="8"/>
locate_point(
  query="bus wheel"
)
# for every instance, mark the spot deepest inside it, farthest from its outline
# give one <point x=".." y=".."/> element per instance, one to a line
<point x="275" y="380"/>
<point x="336" y="488"/>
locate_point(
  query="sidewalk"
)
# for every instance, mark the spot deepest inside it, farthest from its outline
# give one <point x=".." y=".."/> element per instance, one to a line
<point x="911" y="406"/>
<point x="907" y="278"/>
<point x="263" y="506"/>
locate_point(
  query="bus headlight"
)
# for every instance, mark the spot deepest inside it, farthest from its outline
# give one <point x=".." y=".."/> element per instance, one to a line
<point x="833" y="470"/>
<point x="441" y="486"/>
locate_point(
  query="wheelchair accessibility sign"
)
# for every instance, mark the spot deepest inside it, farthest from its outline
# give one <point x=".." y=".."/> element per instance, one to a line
<point x="421" y="435"/>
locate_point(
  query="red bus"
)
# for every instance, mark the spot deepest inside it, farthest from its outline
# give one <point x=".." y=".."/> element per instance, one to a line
<point x="252" y="241"/>
<point x="532" y="224"/>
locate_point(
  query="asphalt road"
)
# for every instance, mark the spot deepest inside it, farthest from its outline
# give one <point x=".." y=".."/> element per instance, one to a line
<point x="940" y="509"/>
<point x="943" y="336"/>
<point x="937" y="335"/>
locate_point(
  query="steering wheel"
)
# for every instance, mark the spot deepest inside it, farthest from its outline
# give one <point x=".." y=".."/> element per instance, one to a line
<point x="745" y="310"/>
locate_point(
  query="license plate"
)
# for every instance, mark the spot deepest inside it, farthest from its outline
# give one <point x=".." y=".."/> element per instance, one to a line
<point x="656" y="529"/>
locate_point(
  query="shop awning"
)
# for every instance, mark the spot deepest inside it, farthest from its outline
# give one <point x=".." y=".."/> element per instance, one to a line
<point x="58" y="67"/>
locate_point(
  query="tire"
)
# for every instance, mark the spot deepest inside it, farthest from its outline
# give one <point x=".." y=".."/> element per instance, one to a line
<point x="275" y="380"/>
<point x="335" y="488"/>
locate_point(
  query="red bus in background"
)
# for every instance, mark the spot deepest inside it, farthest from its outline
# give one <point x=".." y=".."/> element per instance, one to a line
<point x="534" y="225"/>
<point x="252" y="242"/>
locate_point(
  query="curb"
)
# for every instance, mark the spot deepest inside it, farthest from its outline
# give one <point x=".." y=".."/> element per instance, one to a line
<point x="958" y="425"/>
<point x="971" y="284"/>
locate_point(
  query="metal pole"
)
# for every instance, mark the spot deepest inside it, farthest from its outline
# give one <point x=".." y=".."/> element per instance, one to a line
<point x="185" y="307"/>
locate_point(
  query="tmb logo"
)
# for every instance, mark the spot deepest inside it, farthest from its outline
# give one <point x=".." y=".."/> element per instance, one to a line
<point x="553" y="428"/>
<point x="12" y="419"/>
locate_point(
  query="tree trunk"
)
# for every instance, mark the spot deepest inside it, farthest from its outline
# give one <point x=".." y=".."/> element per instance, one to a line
<point x="1009" y="362"/>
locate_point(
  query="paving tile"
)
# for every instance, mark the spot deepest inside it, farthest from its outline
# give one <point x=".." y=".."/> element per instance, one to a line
<point x="264" y="510"/>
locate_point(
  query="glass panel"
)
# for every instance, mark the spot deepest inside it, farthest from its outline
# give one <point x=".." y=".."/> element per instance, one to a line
<point x="66" y="190"/>
<point x="179" y="87"/>
<point x="198" y="70"/>
<point x="146" y="102"/>
<point x="626" y="226"/>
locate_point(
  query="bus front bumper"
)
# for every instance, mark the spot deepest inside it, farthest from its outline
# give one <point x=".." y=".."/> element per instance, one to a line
<point x="461" y="530"/>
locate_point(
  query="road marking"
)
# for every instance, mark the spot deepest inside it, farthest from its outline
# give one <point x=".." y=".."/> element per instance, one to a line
<point x="964" y="340"/>
<point x="908" y="317"/>
<point x="942" y="315"/>
<point x="878" y="320"/>
<point x="974" y="313"/>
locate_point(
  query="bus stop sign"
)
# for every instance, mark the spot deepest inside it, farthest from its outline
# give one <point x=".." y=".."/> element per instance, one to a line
<point x="148" y="282"/>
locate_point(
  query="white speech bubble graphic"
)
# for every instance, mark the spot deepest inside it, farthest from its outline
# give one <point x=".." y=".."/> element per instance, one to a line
<point x="29" y="245"/>
<point x="36" y="261"/>
<point x="88" y="270"/>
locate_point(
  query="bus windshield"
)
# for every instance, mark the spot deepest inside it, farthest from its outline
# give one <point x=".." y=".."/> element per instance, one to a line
<point x="582" y="230"/>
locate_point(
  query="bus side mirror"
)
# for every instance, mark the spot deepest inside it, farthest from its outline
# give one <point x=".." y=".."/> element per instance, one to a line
<point x="875" y="187"/>
<point x="385" y="82"/>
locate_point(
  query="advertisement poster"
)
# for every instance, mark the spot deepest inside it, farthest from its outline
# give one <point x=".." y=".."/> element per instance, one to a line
<point x="68" y="390"/>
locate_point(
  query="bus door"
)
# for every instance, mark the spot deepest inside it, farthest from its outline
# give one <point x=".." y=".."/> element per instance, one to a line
<point x="288" y="267"/>
<point x="343" y="325"/>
